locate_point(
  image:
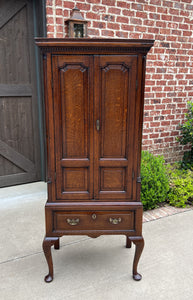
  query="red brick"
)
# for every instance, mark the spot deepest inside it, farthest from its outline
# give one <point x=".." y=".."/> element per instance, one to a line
<point x="148" y="23"/>
<point x="154" y="136"/>
<point x="59" y="28"/>
<point x="148" y="36"/>
<point x="113" y="26"/>
<point x="59" y="12"/>
<point x="178" y="19"/>
<point x="179" y="5"/>
<point x="108" y="2"/>
<point x="83" y="6"/>
<point x="166" y="17"/>
<point x="59" y="21"/>
<point x="58" y="2"/>
<point x="140" y="14"/>
<point x="169" y="139"/>
<point x="50" y="35"/>
<point x="49" y="2"/>
<point x="99" y="24"/>
<point x="184" y="26"/>
<point x="187" y="33"/>
<point x="91" y="15"/>
<point x="154" y="16"/>
<point x="167" y="3"/>
<point x="149" y="8"/>
<point x="50" y="20"/>
<point x="94" y="1"/>
<point x="113" y="10"/>
<point x="155" y="124"/>
<point x="59" y="35"/>
<point x="107" y="33"/>
<point x="149" y="107"/>
<point x="165" y="123"/>
<point x="127" y="12"/>
<point x="164" y="134"/>
<point x="166" y="112"/>
<point x="122" y="34"/>
<point x="123" y="20"/>
<point x="49" y="11"/>
<point x="153" y="30"/>
<point x="99" y="8"/>
<point x="164" y="31"/>
<point x="174" y="11"/>
<point x="127" y="27"/>
<point x="68" y="4"/>
<point x="162" y="10"/>
<point x="50" y="28"/>
<point x="156" y="2"/>
<point x="171" y="38"/>
<point x="140" y="29"/>
<point x="161" y="24"/>
<point x="93" y="32"/>
<point x="123" y="4"/>
<point x="137" y="6"/>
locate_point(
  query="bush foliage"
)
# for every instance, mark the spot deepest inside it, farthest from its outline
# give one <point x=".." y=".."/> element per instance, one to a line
<point x="154" y="180"/>
<point x="181" y="186"/>
<point x="187" y="137"/>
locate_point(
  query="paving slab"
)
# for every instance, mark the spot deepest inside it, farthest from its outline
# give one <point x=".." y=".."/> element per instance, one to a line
<point x="94" y="269"/>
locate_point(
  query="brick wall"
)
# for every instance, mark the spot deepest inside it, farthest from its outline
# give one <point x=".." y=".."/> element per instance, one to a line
<point x="169" y="77"/>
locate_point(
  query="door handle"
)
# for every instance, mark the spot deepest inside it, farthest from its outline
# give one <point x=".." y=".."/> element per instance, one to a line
<point x="98" y="125"/>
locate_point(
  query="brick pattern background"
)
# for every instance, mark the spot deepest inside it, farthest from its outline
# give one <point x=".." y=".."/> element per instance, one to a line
<point x="169" y="77"/>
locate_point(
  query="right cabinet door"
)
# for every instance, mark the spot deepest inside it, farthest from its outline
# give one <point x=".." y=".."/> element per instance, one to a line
<point x="115" y="85"/>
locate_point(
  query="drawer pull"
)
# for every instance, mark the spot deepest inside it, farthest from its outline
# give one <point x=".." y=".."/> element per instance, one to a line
<point x="115" y="221"/>
<point x="73" y="222"/>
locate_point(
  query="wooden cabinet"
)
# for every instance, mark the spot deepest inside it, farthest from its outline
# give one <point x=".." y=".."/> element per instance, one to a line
<point x="94" y="109"/>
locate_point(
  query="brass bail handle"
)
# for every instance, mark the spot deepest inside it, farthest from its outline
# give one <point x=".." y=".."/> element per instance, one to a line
<point x="98" y="125"/>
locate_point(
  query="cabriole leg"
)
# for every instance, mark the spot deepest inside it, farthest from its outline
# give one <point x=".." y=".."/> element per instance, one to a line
<point x="57" y="244"/>
<point x="128" y="242"/>
<point x="47" y="243"/>
<point x="139" y="245"/>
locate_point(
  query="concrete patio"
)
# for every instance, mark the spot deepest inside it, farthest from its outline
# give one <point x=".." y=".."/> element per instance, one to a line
<point x="88" y="268"/>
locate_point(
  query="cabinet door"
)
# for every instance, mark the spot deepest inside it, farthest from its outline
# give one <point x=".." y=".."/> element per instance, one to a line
<point x="73" y="118"/>
<point x="114" y="98"/>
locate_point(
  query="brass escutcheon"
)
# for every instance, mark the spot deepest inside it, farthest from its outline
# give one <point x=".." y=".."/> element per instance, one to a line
<point x="115" y="221"/>
<point x="93" y="216"/>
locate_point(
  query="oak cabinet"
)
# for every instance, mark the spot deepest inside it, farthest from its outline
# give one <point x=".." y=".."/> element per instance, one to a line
<point x="94" y="93"/>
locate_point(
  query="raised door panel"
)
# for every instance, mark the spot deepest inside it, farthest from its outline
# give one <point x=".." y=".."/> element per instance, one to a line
<point x="73" y="126"/>
<point x="115" y="92"/>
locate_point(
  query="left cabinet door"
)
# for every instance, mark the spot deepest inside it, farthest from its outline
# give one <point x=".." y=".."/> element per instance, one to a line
<point x="73" y="121"/>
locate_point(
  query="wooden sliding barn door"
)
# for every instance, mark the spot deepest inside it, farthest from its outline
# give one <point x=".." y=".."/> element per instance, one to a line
<point x="19" y="126"/>
<point x="114" y="98"/>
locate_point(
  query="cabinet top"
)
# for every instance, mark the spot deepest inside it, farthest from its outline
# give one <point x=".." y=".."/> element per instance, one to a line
<point x="93" y="45"/>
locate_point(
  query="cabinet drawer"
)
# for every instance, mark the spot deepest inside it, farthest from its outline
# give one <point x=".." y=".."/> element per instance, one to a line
<point x="95" y="220"/>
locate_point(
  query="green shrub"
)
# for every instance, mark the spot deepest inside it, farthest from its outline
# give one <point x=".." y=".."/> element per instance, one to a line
<point x="187" y="137"/>
<point x="181" y="186"/>
<point x="154" y="180"/>
<point x="187" y="127"/>
<point x="187" y="161"/>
